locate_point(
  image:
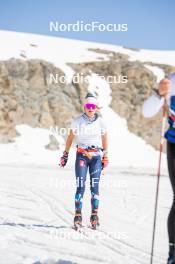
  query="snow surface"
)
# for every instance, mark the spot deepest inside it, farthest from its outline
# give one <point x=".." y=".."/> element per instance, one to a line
<point x="37" y="197"/>
<point x="36" y="214"/>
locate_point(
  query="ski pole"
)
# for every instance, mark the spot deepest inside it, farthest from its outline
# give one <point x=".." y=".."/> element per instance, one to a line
<point x="158" y="179"/>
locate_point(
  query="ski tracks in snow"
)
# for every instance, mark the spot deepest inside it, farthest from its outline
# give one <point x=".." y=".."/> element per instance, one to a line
<point x="37" y="225"/>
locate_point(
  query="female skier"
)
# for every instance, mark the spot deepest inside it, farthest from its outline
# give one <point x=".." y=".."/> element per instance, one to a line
<point x="164" y="97"/>
<point x="90" y="133"/>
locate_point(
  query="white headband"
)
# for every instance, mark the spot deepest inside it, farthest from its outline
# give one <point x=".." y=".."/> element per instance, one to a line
<point x="91" y="100"/>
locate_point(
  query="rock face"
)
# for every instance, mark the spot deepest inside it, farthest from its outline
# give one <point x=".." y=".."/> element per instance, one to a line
<point x="27" y="95"/>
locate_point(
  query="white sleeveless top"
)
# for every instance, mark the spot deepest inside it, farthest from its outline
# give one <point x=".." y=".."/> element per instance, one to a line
<point x="88" y="132"/>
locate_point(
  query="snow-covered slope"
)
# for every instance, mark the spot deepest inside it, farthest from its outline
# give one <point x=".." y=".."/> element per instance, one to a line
<point x="60" y="51"/>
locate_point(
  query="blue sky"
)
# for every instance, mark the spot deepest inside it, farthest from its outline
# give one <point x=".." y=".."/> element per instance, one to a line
<point x="151" y="24"/>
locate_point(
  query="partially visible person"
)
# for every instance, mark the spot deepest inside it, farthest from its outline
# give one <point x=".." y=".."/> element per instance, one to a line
<point x="164" y="97"/>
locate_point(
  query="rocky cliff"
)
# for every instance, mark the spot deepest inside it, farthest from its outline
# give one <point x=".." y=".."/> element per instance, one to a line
<point x="27" y="96"/>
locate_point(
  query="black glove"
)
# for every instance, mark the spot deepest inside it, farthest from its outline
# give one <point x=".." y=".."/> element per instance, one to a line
<point x="64" y="159"/>
<point x="105" y="162"/>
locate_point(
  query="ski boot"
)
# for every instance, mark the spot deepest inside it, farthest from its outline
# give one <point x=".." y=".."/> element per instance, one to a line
<point x="77" y="220"/>
<point x="94" y="220"/>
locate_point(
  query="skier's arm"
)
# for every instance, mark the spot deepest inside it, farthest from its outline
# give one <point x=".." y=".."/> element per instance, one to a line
<point x="105" y="150"/>
<point x="69" y="141"/>
<point x="105" y="143"/>
<point x="155" y="102"/>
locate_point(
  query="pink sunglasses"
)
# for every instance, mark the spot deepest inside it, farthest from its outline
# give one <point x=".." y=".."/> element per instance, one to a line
<point x="90" y="106"/>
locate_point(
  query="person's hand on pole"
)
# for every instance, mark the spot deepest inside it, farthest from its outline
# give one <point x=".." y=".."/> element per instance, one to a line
<point x="164" y="87"/>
